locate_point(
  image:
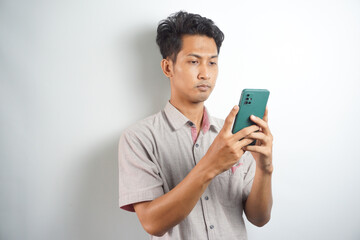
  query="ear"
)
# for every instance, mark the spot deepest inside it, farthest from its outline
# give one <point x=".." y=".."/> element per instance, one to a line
<point x="167" y="67"/>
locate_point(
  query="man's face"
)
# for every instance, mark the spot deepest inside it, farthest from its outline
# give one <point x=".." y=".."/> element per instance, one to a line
<point x="193" y="75"/>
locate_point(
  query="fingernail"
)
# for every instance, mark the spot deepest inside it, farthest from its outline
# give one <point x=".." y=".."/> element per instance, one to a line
<point x="253" y="117"/>
<point x="236" y="107"/>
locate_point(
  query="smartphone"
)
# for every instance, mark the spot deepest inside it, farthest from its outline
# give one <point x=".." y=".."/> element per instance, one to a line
<point x="252" y="102"/>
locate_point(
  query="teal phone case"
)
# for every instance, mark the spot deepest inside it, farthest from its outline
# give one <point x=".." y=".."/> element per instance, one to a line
<point x="252" y="102"/>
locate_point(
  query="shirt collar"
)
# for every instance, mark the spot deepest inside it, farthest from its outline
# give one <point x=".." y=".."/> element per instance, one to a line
<point x="178" y="120"/>
<point x="211" y="122"/>
<point x="175" y="117"/>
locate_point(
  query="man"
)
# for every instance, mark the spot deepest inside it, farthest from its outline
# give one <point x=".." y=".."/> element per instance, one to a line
<point x="183" y="171"/>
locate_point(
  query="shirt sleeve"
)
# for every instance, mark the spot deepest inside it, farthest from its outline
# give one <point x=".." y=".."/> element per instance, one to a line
<point x="249" y="174"/>
<point x="139" y="178"/>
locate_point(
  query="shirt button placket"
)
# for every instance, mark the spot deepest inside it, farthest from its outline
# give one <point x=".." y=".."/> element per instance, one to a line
<point x="207" y="217"/>
<point x="197" y="149"/>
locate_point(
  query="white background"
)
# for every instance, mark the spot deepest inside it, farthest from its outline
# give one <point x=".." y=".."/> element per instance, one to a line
<point x="74" y="74"/>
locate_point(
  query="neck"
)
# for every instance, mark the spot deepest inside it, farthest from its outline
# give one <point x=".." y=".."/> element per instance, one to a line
<point x="193" y="111"/>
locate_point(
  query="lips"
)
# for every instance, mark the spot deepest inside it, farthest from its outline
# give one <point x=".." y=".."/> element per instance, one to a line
<point x="203" y="87"/>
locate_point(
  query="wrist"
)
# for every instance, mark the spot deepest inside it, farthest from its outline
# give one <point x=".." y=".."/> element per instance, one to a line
<point x="206" y="170"/>
<point x="266" y="168"/>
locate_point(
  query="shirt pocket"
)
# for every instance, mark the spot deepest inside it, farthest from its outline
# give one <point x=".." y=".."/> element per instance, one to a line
<point x="228" y="187"/>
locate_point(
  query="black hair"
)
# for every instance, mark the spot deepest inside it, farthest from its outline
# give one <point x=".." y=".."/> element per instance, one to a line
<point x="171" y="30"/>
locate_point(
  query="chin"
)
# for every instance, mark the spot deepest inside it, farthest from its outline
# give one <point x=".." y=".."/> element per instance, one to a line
<point x="199" y="99"/>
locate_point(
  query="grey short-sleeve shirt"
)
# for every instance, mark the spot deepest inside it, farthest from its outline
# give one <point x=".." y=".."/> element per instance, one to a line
<point x="158" y="152"/>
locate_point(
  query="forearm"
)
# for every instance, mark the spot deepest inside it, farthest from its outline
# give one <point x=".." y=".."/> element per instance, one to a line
<point x="259" y="202"/>
<point x="170" y="209"/>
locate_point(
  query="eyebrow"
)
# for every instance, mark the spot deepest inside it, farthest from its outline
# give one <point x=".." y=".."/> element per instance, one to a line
<point x="198" y="56"/>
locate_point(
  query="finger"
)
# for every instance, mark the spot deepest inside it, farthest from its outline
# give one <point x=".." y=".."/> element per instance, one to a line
<point x="265" y="118"/>
<point x="258" y="149"/>
<point x="259" y="136"/>
<point x="245" y="131"/>
<point x="243" y="143"/>
<point x="230" y="118"/>
<point x="261" y="123"/>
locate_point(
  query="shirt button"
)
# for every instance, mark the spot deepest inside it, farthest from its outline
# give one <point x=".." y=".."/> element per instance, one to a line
<point x="211" y="226"/>
<point x="206" y="198"/>
<point x="196" y="145"/>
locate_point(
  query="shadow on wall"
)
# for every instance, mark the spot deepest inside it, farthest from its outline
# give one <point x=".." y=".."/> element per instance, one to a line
<point x="97" y="214"/>
<point x="151" y="83"/>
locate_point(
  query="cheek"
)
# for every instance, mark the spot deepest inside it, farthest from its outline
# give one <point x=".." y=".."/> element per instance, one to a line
<point x="215" y="74"/>
<point x="187" y="75"/>
<point x="183" y="79"/>
<point x="181" y="71"/>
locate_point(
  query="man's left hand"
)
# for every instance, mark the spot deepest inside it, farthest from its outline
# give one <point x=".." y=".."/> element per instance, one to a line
<point x="262" y="150"/>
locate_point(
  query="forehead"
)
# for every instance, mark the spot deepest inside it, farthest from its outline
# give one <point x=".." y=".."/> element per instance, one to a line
<point x="199" y="44"/>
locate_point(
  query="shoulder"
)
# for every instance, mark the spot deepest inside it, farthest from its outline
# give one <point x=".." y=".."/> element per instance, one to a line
<point x="144" y="129"/>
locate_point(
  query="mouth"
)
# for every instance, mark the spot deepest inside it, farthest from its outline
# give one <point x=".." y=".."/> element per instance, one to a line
<point x="203" y="87"/>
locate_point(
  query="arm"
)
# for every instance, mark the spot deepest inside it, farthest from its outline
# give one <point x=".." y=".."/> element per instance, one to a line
<point x="259" y="202"/>
<point x="160" y="215"/>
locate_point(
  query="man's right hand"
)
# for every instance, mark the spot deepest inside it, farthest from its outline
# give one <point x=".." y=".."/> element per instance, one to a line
<point x="226" y="149"/>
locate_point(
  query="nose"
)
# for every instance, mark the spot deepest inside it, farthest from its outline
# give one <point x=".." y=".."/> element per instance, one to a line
<point x="204" y="72"/>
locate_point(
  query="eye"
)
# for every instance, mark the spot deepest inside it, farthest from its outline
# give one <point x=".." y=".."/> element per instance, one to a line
<point x="213" y="63"/>
<point x="193" y="61"/>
